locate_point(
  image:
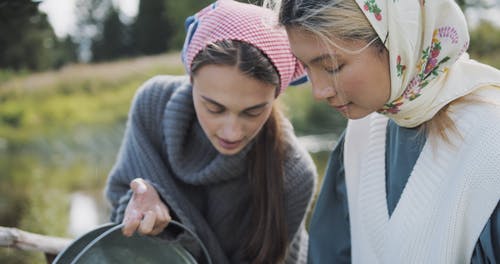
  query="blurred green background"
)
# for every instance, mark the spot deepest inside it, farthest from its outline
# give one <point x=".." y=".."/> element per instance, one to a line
<point x="64" y="102"/>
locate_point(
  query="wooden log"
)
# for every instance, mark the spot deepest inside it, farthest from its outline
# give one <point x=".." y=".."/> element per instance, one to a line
<point x="16" y="238"/>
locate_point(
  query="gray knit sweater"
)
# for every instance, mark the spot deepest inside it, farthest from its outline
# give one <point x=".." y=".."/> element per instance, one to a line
<point x="205" y="190"/>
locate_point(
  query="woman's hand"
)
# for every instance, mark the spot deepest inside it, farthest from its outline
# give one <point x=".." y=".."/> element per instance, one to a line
<point x="145" y="213"/>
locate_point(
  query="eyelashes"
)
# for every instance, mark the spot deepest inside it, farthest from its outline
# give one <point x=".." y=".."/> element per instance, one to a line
<point x="327" y="69"/>
<point x="215" y="110"/>
<point x="335" y="70"/>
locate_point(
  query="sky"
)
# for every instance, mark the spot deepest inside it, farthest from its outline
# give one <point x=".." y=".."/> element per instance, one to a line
<point x="62" y="18"/>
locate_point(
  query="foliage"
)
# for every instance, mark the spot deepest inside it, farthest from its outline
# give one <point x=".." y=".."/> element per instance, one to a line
<point x="27" y="40"/>
<point x="310" y="117"/>
<point x="114" y="41"/>
<point x="153" y="27"/>
<point x="179" y="11"/>
<point x="101" y="33"/>
<point x="485" y="44"/>
<point x="78" y="95"/>
<point x="464" y="4"/>
<point x="59" y="133"/>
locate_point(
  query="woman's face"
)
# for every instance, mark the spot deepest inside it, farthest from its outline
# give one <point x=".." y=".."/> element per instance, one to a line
<point x="354" y="84"/>
<point x="231" y="107"/>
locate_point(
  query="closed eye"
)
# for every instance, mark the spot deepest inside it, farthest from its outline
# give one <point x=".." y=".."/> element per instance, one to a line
<point x="253" y="112"/>
<point x="214" y="109"/>
<point x="334" y="70"/>
<point x="212" y="106"/>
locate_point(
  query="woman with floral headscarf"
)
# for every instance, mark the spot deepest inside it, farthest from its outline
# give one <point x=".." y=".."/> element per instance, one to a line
<point x="415" y="178"/>
<point x="211" y="149"/>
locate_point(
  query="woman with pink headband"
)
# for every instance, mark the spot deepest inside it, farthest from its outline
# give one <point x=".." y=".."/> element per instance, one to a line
<point x="213" y="151"/>
<point x="416" y="176"/>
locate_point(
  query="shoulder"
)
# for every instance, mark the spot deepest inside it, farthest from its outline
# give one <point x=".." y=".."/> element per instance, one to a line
<point x="479" y="116"/>
<point x="151" y="97"/>
<point x="150" y="100"/>
<point x="478" y="127"/>
<point x="161" y="86"/>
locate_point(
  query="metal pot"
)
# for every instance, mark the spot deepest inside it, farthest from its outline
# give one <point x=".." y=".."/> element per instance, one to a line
<point x="106" y="244"/>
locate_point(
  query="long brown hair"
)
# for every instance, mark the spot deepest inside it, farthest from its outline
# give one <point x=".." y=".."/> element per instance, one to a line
<point x="267" y="240"/>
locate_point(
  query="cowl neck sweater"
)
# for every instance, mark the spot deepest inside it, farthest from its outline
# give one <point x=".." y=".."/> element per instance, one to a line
<point x="191" y="155"/>
<point x="207" y="191"/>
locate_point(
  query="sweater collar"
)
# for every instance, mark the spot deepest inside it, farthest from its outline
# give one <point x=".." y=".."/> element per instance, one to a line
<point x="417" y="201"/>
<point x="191" y="155"/>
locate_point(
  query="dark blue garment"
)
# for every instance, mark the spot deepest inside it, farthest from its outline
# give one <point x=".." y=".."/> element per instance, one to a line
<point x="329" y="237"/>
<point x="405" y="145"/>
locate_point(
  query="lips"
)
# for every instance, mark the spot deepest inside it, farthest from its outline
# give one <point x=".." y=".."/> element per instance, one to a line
<point x="341" y="108"/>
<point x="229" y="145"/>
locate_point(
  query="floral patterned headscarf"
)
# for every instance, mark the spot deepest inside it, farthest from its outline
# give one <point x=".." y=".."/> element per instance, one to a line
<point x="427" y="43"/>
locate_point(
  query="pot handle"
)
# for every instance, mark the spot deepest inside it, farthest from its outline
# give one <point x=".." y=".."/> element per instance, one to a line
<point x="119" y="226"/>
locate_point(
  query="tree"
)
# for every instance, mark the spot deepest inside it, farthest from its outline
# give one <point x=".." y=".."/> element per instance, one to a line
<point x="179" y="11"/>
<point x="65" y="51"/>
<point x="485" y="44"/>
<point x="152" y="28"/>
<point x="27" y="40"/>
<point x="113" y="41"/>
<point x="464" y="4"/>
<point x="90" y="16"/>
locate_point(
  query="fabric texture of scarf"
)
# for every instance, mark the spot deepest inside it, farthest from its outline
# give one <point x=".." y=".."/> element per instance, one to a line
<point x="429" y="66"/>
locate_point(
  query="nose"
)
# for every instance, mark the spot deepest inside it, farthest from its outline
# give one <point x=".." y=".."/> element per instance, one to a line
<point x="321" y="87"/>
<point x="232" y="129"/>
<point x="322" y="93"/>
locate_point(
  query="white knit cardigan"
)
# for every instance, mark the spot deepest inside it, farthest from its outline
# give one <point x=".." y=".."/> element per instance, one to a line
<point x="449" y="197"/>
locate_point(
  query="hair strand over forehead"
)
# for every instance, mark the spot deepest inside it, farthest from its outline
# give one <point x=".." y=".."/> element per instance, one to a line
<point x="248" y="59"/>
<point x="328" y="20"/>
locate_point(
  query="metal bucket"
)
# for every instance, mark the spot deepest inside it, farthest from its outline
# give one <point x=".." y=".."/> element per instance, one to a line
<point x="106" y="244"/>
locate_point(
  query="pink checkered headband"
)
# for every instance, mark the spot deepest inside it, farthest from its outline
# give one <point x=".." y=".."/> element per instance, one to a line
<point x="231" y="20"/>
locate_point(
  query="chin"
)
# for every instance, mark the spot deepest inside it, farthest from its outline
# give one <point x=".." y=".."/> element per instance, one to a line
<point x="225" y="151"/>
<point x="228" y="152"/>
<point x="356" y="115"/>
